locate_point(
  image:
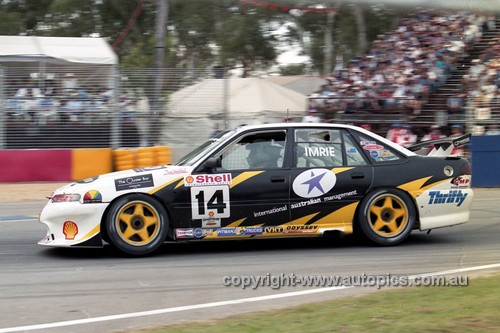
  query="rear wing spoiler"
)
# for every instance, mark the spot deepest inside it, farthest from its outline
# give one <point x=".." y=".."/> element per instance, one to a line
<point x="441" y="147"/>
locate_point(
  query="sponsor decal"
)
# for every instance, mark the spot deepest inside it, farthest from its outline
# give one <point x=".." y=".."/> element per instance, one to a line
<point x="226" y="232"/>
<point x="200" y="233"/>
<point x="184" y="233"/>
<point x="301" y="229"/>
<point x="374" y="153"/>
<point x="352" y="150"/>
<point x="252" y="231"/>
<point x="314" y="183"/>
<point x="340" y="196"/>
<point x="210" y="222"/>
<point x="70" y="230"/>
<point x="305" y="203"/>
<point x="274" y="230"/>
<point x="208" y="180"/>
<point x="461" y="181"/>
<point x="92" y="196"/>
<point x="366" y="143"/>
<point x="325" y="199"/>
<point x="175" y="171"/>
<point x="373" y="147"/>
<point x="134" y="182"/>
<point x="270" y="211"/>
<point x="447" y="197"/>
<point x="210" y="202"/>
<point x="385" y="153"/>
<point x="320" y="151"/>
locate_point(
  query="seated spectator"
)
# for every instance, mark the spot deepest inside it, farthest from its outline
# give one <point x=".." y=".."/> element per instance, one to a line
<point x="311" y="117"/>
<point x="456" y="130"/>
<point x="493" y="130"/>
<point x="406" y="137"/>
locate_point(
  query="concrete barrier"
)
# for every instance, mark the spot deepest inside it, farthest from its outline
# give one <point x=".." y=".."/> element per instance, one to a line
<point x="26" y="165"/>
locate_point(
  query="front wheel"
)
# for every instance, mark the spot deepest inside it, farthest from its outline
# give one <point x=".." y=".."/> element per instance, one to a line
<point x="136" y="224"/>
<point x="387" y="216"/>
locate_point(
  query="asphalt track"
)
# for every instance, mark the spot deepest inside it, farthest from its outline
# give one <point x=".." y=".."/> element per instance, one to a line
<point x="97" y="290"/>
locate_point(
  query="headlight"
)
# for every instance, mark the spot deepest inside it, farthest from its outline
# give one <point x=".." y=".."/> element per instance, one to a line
<point x="66" y="197"/>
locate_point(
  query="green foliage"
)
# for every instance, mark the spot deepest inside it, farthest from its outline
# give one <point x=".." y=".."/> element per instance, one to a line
<point x="293" y="70"/>
<point x="200" y="33"/>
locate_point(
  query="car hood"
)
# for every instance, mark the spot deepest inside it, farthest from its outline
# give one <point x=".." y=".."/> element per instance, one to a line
<point x="106" y="187"/>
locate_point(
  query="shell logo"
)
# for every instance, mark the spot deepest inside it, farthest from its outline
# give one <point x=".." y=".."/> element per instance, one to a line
<point x="211" y="214"/>
<point x="70" y="229"/>
<point x="189" y="179"/>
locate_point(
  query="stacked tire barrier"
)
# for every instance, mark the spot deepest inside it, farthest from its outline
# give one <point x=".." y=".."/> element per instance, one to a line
<point x="28" y="165"/>
<point x="143" y="157"/>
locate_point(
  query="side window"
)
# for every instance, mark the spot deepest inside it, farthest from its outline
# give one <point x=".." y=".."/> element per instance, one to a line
<point x="353" y="155"/>
<point x="376" y="150"/>
<point x="318" y="148"/>
<point x="263" y="150"/>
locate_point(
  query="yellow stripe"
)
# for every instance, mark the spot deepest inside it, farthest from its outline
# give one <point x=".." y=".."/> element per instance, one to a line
<point x="244" y="176"/>
<point x="156" y="189"/>
<point x="236" y="223"/>
<point x="341" y="217"/>
<point x="339" y="170"/>
<point x="180" y="184"/>
<point x="91" y="233"/>
<point x="301" y="220"/>
<point x="415" y="187"/>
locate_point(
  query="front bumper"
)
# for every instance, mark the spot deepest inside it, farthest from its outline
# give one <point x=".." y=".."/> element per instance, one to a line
<point x="72" y="224"/>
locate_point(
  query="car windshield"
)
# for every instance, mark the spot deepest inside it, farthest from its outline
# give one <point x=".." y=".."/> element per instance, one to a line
<point x="199" y="152"/>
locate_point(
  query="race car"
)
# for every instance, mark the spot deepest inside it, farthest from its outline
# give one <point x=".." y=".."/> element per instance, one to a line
<point x="273" y="180"/>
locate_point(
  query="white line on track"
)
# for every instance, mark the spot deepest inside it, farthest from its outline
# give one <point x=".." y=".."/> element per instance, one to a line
<point x="216" y="304"/>
<point x="20" y="220"/>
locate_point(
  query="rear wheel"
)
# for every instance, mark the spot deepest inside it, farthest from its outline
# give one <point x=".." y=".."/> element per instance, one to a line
<point x="387" y="216"/>
<point x="137" y="224"/>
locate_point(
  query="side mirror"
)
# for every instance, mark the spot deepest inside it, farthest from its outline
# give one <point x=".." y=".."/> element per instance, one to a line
<point x="212" y="163"/>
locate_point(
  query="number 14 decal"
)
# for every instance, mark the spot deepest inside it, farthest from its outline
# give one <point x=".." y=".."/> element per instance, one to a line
<point x="210" y="202"/>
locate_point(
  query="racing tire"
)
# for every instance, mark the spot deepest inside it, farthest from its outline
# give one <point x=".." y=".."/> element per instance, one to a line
<point x="387" y="216"/>
<point x="136" y="224"/>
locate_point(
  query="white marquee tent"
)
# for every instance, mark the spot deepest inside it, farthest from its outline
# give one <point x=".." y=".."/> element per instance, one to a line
<point x="249" y="101"/>
<point x="56" y="50"/>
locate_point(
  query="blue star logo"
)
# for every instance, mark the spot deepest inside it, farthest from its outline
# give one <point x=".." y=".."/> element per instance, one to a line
<point x="314" y="182"/>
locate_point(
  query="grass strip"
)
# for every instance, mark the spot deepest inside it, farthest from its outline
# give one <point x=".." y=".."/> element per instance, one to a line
<point x="473" y="308"/>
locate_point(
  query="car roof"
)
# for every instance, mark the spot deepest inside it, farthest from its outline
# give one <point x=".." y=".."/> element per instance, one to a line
<point x="389" y="143"/>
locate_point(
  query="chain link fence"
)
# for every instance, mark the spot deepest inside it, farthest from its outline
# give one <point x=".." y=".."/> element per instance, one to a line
<point x="86" y="106"/>
<point x="103" y="106"/>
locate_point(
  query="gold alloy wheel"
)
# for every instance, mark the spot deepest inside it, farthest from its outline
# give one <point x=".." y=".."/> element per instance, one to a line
<point x="138" y="223"/>
<point x="388" y="215"/>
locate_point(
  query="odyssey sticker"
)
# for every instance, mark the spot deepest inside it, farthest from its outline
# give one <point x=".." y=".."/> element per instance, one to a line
<point x="208" y="180"/>
<point x="314" y="183"/>
<point x="133" y="182"/>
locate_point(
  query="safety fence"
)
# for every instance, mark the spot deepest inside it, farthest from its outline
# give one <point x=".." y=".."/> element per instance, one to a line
<point x="92" y="106"/>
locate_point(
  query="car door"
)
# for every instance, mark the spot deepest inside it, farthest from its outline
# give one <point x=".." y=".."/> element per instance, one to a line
<point x="250" y="187"/>
<point x="329" y="176"/>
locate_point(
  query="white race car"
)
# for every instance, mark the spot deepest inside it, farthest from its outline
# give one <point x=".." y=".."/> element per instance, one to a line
<point x="274" y="180"/>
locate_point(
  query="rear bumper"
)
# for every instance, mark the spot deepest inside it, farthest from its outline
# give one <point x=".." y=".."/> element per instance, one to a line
<point x="443" y="208"/>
